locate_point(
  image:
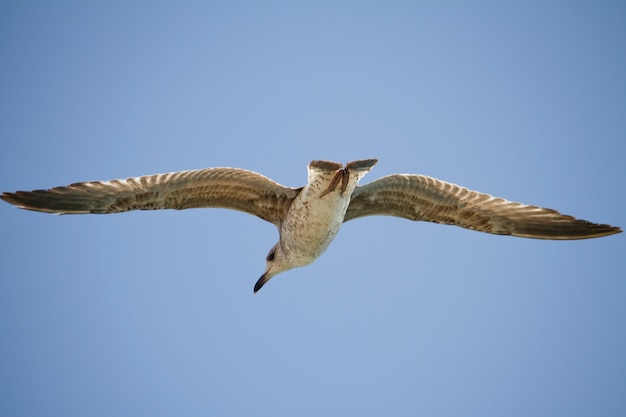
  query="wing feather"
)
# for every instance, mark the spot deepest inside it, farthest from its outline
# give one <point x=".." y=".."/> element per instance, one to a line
<point x="230" y="188"/>
<point x="418" y="197"/>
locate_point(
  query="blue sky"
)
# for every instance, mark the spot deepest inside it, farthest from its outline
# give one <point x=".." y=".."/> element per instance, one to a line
<point x="152" y="313"/>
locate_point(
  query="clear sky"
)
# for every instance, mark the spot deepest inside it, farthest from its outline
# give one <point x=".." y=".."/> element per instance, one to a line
<point x="152" y="313"/>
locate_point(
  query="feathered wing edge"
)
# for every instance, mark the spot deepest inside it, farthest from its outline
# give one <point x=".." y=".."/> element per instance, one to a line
<point x="230" y="188"/>
<point x="418" y="197"/>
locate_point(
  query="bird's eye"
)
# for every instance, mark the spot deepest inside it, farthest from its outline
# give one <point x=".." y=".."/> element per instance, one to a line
<point x="271" y="256"/>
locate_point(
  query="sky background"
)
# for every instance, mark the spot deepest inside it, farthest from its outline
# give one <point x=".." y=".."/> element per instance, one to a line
<point x="152" y="313"/>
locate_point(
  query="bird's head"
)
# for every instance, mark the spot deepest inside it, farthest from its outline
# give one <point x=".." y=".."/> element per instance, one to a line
<point x="276" y="262"/>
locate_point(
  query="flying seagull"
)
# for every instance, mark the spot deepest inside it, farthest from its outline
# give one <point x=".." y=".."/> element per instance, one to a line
<point x="308" y="218"/>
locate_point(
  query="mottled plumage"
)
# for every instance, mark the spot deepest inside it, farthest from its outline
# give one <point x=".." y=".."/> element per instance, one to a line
<point x="308" y="218"/>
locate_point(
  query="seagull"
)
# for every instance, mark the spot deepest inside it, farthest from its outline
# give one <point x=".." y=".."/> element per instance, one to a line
<point x="308" y="218"/>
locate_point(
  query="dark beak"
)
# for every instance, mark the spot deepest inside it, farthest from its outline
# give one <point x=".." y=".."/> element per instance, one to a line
<point x="261" y="282"/>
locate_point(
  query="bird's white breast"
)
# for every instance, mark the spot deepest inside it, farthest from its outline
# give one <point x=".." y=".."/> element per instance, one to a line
<point x="315" y="216"/>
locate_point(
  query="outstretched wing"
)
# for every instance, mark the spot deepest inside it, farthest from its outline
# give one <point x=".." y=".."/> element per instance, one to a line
<point x="418" y="197"/>
<point x="231" y="188"/>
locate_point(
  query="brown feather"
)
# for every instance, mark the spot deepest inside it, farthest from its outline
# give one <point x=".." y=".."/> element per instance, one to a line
<point x="418" y="197"/>
<point x="231" y="188"/>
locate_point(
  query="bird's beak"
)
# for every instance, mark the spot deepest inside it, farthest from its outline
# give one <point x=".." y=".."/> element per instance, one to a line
<point x="261" y="282"/>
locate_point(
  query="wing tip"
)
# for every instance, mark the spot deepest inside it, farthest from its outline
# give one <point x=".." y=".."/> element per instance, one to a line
<point x="27" y="200"/>
<point x="608" y="230"/>
<point x="12" y="198"/>
<point x="577" y="230"/>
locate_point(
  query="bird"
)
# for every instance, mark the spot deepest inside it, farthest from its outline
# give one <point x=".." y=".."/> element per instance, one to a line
<point x="308" y="218"/>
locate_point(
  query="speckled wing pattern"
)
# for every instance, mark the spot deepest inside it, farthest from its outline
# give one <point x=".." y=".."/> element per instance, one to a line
<point x="418" y="197"/>
<point x="230" y="188"/>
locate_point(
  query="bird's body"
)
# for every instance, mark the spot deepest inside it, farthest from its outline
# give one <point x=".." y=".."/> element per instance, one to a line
<point x="309" y="218"/>
<point x="315" y="215"/>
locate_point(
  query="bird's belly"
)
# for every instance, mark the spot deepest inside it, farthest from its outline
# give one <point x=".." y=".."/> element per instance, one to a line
<point x="311" y="224"/>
